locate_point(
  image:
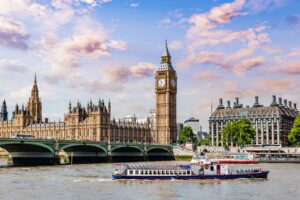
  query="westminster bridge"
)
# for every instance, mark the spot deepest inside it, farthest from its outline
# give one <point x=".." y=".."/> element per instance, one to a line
<point x="47" y="152"/>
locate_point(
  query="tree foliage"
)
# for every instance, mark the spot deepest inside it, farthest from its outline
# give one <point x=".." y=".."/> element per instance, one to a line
<point x="294" y="134"/>
<point x="205" y="141"/>
<point x="186" y="135"/>
<point x="238" y="132"/>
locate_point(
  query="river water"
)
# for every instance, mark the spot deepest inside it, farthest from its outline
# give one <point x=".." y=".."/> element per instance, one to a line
<point x="94" y="182"/>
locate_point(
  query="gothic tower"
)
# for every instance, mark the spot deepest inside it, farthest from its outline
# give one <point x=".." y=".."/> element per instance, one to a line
<point x="34" y="104"/>
<point x="3" y="113"/>
<point x="166" y="90"/>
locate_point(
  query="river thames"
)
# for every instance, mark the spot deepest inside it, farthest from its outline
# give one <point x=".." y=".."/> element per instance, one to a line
<point x="94" y="182"/>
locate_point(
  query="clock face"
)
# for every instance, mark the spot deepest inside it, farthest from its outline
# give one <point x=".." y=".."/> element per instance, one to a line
<point x="161" y="82"/>
<point x="173" y="83"/>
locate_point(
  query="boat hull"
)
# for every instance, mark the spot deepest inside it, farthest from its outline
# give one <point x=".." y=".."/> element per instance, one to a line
<point x="263" y="174"/>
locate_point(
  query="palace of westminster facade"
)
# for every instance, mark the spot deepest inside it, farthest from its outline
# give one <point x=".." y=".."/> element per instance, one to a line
<point x="94" y="122"/>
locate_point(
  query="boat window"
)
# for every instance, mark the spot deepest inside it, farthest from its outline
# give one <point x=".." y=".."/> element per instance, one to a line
<point x="158" y="172"/>
<point x="150" y="172"/>
<point x="184" y="173"/>
<point x="146" y="172"/>
<point x="211" y="168"/>
<point x="142" y="171"/>
<point x="136" y="172"/>
<point x="167" y="172"/>
<point x="154" y="172"/>
<point x="163" y="172"/>
<point x="188" y="172"/>
<point x="130" y="171"/>
<point x="172" y="172"/>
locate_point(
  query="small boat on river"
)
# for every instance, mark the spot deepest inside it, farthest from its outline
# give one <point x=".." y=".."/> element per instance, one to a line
<point x="208" y="170"/>
<point x="227" y="159"/>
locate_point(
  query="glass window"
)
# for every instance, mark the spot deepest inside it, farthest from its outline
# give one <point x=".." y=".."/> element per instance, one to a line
<point x="130" y="172"/>
<point x="211" y="168"/>
<point x="188" y="172"/>
<point x="142" y="171"/>
<point x="167" y="172"/>
<point x="150" y="172"/>
<point x="136" y="172"/>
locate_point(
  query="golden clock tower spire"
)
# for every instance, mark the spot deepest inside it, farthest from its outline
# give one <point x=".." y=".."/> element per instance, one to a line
<point x="166" y="91"/>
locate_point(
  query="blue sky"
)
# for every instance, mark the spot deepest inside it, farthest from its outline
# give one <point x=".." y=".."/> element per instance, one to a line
<point x="86" y="49"/>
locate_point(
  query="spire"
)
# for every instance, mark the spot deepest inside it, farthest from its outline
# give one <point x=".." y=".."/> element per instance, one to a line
<point x="165" y="60"/>
<point x="3" y="113"/>
<point x="35" y="90"/>
<point x="166" y="52"/>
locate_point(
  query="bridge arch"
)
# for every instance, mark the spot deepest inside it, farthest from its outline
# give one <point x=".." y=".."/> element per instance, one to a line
<point x="126" y="153"/>
<point x="29" y="152"/>
<point x="85" y="153"/>
<point x="83" y="145"/>
<point x="159" y="153"/>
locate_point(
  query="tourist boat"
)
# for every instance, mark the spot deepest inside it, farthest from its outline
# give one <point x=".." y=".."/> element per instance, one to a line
<point x="227" y="159"/>
<point x="208" y="170"/>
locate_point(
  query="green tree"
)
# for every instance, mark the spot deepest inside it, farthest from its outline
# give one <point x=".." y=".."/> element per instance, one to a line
<point x="230" y="133"/>
<point x="205" y="141"/>
<point x="187" y="135"/>
<point x="294" y="134"/>
<point x="239" y="132"/>
<point x="246" y="132"/>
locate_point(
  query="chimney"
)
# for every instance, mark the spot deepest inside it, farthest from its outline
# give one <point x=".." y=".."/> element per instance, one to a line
<point x="290" y="104"/>
<point x="285" y="102"/>
<point x="220" y="106"/>
<point x="228" y="104"/>
<point x="220" y="101"/>
<point x="274" y="103"/>
<point x="237" y="101"/>
<point x="256" y="103"/>
<point x="280" y="101"/>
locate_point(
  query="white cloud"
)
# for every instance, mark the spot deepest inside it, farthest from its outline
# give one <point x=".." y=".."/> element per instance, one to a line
<point x="134" y="5"/>
<point x="12" y="66"/>
<point x="13" y="33"/>
<point x="175" y="45"/>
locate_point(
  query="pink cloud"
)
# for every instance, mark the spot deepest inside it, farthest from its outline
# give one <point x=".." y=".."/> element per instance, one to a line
<point x="276" y="85"/>
<point x="224" y="13"/>
<point x="175" y="45"/>
<point x="141" y="70"/>
<point x="247" y="64"/>
<point x="203" y="57"/>
<point x="292" y="68"/>
<point x="207" y="75"/>
<point x="13" y="33"/>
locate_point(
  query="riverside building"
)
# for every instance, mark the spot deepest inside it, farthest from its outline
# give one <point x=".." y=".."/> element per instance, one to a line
<point x="272" y="123"/>
<point x="94" y="122"/>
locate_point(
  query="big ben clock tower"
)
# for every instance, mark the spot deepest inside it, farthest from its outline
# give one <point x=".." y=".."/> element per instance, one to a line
<point x="166" y="90"/>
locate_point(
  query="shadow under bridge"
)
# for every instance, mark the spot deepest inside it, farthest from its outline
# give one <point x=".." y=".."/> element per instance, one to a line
<point x="85" y="153"/>
<point x="127" y="153"/>
<point x="30" y="153"/>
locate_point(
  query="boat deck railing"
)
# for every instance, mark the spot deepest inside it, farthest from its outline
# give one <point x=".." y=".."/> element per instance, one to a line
<point x="157" y="167"/>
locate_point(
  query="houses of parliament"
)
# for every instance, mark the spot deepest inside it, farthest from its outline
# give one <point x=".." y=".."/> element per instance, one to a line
<point x="93" y="122"/>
